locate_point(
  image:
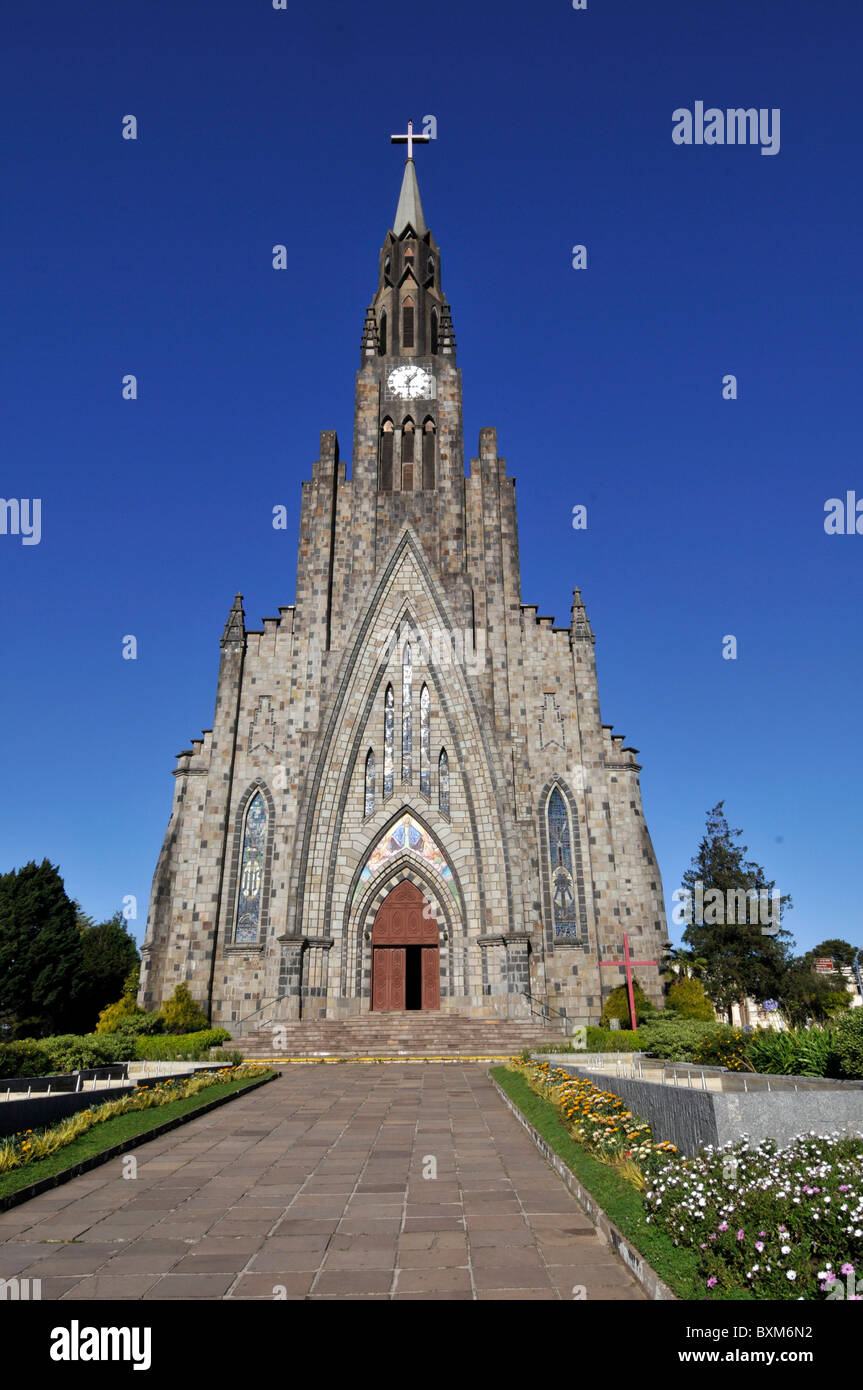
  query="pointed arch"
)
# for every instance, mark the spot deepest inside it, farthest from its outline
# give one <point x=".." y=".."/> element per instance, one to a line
<point x="407" y="713"/>
<point x="386" y="465"/>
<point x="428" y="454"/>
<point x="425" y="741"/>
<point x="251" y="862"/>
<point x="408" y="322"/>
<point x="369" y="794"/>
<point x="315" y="899"/>
<point x="563" y="872"/>
<point x="389" y="731"/>
<point x="443" y="783"/>
<point x="408" y="442"/>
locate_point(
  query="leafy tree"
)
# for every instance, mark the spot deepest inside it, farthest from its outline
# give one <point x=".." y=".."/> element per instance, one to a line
<point x="805" y="995"/>
<point x="841" y="952"/>
<point x="41" y="957"/>
<point x="740" y="959"/>
<point x="181" y="1014"/>
<point x="109" y="954"/>
<point x="688" y="999"/>
<point x="686" y="964"/>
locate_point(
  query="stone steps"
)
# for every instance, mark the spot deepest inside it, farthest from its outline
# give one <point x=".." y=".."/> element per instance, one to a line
<point x="397" y="1034"/>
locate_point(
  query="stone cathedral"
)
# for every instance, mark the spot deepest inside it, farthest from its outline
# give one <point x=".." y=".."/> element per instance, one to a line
<point x="408" y="799"/>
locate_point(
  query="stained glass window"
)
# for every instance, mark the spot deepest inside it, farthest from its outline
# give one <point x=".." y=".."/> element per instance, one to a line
<point x="564" y="907"/>
<point x="252" y="872"/>
<point x="407" y="718"/>
<point x="389" y="722"/>
<point x="443" y="782"/>
<point x="425" y="742"/>
<point x="370" y="783"/>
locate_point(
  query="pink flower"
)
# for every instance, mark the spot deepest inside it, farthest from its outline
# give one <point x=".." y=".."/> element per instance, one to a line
<point x="740" y="1235"/>
<point x="723" y="1226"/>
<point x="713" y="1280"/>
<point x="759" y="1246"/>
<point x="847" y="1268"/>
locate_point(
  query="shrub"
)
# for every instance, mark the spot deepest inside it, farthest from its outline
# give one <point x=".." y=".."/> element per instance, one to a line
<point x="24" y="1058"/>
<point x="688" y="999"/>
<point x="613" y="1040"/>
<point x="797" y="1052"/>
<point x="70" y="1052"/>
<point x="849" y="1044"/>
<point x="723" y="1047"/>
<point x="617" y="1005"/>
<point x="180" y="1013"/>
<point x="141" y="1024"/>
<point x="677" y="1039"/>
<point x="175" y="1046"/>
<point x="114" y="1015"/>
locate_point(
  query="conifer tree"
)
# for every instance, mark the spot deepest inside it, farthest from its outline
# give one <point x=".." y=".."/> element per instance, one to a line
<point x="41" y="960"/>
<point x="740" y="958"/>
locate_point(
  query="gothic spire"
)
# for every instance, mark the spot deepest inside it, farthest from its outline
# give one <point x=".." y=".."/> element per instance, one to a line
<point x="235" y="627"/>
<point x="579" y="621"/>
<point x="409" y="212"/>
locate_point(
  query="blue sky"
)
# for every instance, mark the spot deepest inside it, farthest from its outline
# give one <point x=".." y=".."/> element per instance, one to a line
<point x="705" y="517"/>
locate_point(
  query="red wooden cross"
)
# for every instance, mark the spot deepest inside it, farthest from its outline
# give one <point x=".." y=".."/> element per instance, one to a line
<point x="629" y="963"/>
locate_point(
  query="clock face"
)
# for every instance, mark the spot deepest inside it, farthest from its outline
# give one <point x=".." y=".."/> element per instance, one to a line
<point x="411" y="383"/>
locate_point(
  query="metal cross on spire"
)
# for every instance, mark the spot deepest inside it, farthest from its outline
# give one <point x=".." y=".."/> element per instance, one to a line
<point x="410" y="139"/>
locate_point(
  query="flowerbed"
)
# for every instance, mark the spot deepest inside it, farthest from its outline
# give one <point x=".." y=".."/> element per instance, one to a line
<point x="29" y="1146"/>
<point x="784" y="1222"/>
<point x="598" y="1120"/>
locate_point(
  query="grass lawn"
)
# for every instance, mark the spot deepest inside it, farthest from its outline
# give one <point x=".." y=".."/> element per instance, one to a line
<point x="111" y="1132"/>
<point x="622" y="1204"/>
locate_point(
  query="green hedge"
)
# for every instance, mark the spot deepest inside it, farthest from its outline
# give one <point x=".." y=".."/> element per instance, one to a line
<point x="69" y="1052"/>
<point x="170" y="1046"/>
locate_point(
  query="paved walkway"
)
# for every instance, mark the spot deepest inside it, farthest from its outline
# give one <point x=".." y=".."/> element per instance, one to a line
<point x="314" y="1187"/>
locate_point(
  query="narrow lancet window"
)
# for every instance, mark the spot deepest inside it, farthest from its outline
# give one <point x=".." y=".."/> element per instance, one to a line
<point x="425" y="742"/>
<point x="389" y="723"/>
<point x="408" y="456"/>
<point x="251" y="891"/>
<point x="408" y="323"/>
<point x="428" y="456"/>
<point x="370" y="783"/>
<point x="407" y="715"/>
<point x="387" y="437"/>
<point x="443" y="782"/>
<point x="382" y="333"/>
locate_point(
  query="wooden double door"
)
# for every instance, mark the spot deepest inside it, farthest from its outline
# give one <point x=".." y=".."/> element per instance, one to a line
<point x="405" y="953"/>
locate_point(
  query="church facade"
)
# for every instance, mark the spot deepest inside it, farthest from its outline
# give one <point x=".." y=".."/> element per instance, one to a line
<point x="407" y="799"/>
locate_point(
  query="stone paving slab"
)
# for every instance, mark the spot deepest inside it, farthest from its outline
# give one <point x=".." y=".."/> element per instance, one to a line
<point x="319" y="1187"/>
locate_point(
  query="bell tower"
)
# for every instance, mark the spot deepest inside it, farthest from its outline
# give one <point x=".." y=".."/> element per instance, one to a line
<point x="408" y="350"/>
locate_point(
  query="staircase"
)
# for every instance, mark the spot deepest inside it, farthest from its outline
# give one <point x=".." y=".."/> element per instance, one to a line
<point x="422" y="1035"/>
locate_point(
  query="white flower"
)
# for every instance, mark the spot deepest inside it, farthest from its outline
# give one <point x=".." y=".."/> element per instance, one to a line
<point x="791" y="1274"/>
<point x="786" y="1249"/>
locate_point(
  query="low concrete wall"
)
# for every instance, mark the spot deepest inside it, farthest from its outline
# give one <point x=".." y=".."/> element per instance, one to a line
<point x="18" y="1115"/>
<point x="691" y="1119"/>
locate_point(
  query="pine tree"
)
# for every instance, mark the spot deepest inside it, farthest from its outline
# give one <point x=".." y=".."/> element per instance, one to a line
<point x="741" y="960"/>
<point x="41" y="960"/>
